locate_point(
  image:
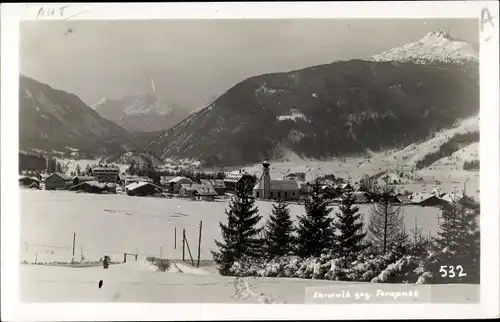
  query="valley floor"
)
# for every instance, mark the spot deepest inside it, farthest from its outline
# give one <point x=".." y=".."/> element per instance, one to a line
<point x="114" y="224"/>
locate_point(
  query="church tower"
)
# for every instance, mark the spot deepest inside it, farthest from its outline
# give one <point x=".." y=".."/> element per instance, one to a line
<point x="266" y="180"/>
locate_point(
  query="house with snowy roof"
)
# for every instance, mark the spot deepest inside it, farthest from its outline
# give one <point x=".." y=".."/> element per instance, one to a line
<point x="198" y="191"/>
<point x="58" y="181"/>
<point x="80" y="179"/>
<point x="142" y="188"/>
<point x="233" y="179"/>
<point x="218" y="185"/>
<point x="176" y="183"/>
<point x="275" y="189"/>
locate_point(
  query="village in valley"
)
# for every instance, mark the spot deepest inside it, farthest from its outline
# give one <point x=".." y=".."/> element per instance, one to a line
<point x="104" y="178"/>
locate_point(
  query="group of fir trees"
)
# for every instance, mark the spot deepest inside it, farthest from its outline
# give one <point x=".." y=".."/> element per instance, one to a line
<point x="54" y="166"/>
<point x="315" y="233"/>
<point x="343" y="235"/>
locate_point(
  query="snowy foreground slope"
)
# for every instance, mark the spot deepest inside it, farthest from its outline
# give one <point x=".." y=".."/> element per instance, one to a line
<point x="129" y="283"/>
<point x="134" y="282"/>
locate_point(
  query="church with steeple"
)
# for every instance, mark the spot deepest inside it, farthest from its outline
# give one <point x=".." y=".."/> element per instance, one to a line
<point x="269" y="189"/>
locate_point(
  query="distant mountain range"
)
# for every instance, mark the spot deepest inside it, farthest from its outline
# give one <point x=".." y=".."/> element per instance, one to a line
<point x="346" y="107"/>
<point x="54" y="119"/>
<point x="335" y="109"/>
<point x="144" y="113"/>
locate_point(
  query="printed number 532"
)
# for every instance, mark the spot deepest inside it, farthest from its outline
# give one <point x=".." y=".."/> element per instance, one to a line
<point x="451" y="271"/>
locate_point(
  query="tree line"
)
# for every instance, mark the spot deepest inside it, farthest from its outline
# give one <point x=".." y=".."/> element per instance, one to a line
<point x="458" y="141"/>
<point x="471" y="165"/>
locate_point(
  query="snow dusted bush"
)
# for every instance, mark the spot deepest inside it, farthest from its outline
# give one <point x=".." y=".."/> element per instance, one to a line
<point x="401" y="271"/>
<point x="364" y="268"/>
<point x="246" y="267"/>
<point x="161" y="264"/>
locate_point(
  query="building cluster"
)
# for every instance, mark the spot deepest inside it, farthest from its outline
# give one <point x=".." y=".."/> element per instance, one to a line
<point x="108" y="179"/>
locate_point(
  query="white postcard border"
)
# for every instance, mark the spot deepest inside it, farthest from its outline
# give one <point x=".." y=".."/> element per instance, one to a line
<point x="12" y="309"/>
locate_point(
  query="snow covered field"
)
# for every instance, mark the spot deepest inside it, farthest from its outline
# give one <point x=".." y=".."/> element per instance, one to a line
<point x="126" y="283"/>
<point x="135" y="282"/>
<point x="114" y="224"/>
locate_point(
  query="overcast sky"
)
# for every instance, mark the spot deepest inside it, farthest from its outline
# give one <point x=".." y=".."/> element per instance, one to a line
<point x="195" y="61"/>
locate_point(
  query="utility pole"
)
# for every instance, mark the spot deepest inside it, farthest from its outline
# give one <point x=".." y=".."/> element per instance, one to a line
<point x="183" y="243"/>
<point x="199" y="244"/>
<point x="74" y="237"/>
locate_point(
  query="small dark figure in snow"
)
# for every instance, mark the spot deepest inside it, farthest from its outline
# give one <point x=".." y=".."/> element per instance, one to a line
<point x="105" y="262"/>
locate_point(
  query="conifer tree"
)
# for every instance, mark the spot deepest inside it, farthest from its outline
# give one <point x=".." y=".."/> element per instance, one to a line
<point x="240" y="235"/>
<point x="315" y="230"/>
<point x="386" y="221"/>
<point x="458" y="241"/>
<point x="78" y="170"/>
<point x="279" y="239"/>
<point x="59" y="167"/>
<point x="349" y="228"/>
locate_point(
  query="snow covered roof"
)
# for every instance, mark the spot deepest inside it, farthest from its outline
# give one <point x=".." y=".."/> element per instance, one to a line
<point x="204" y="190"/>
<point x="177" y="179"/>
<point x="213" y="183"/>
<point x="235" y="177"/>
<point x="166" y="178"/>
<point x="281" y="185"/>
<point x="138" y="178"/>
<point x="201" y="189"/>
<point x="403" y="199"/>
<point x="450" y="198"/>
<point x="136" y="185"/>
<point x="187" y="186"/>
<point x="27" y="177"/>
<point x="63" y="176"/>
<point x="95" y="184"/>
<point x="84" y="178"/>
<point x="418" y="197"/>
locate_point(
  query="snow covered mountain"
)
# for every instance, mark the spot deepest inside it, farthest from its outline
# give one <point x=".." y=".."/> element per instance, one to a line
<point x="435" y="46"/>
<point x="144" y="113"/>
<point x="53" y="119"/>
<point x="343" y="108"/>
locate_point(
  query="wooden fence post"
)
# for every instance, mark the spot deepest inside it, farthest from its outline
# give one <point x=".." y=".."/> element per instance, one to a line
<point x="124" y="257"/>
<point x="175" y="237"/>
<point x="74" y="237"/>
<point x="183" y="243"/>
<point x="199" y="244"/>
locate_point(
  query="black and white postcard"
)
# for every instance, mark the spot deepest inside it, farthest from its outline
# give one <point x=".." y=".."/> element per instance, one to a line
<point x="197" y="161"/>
